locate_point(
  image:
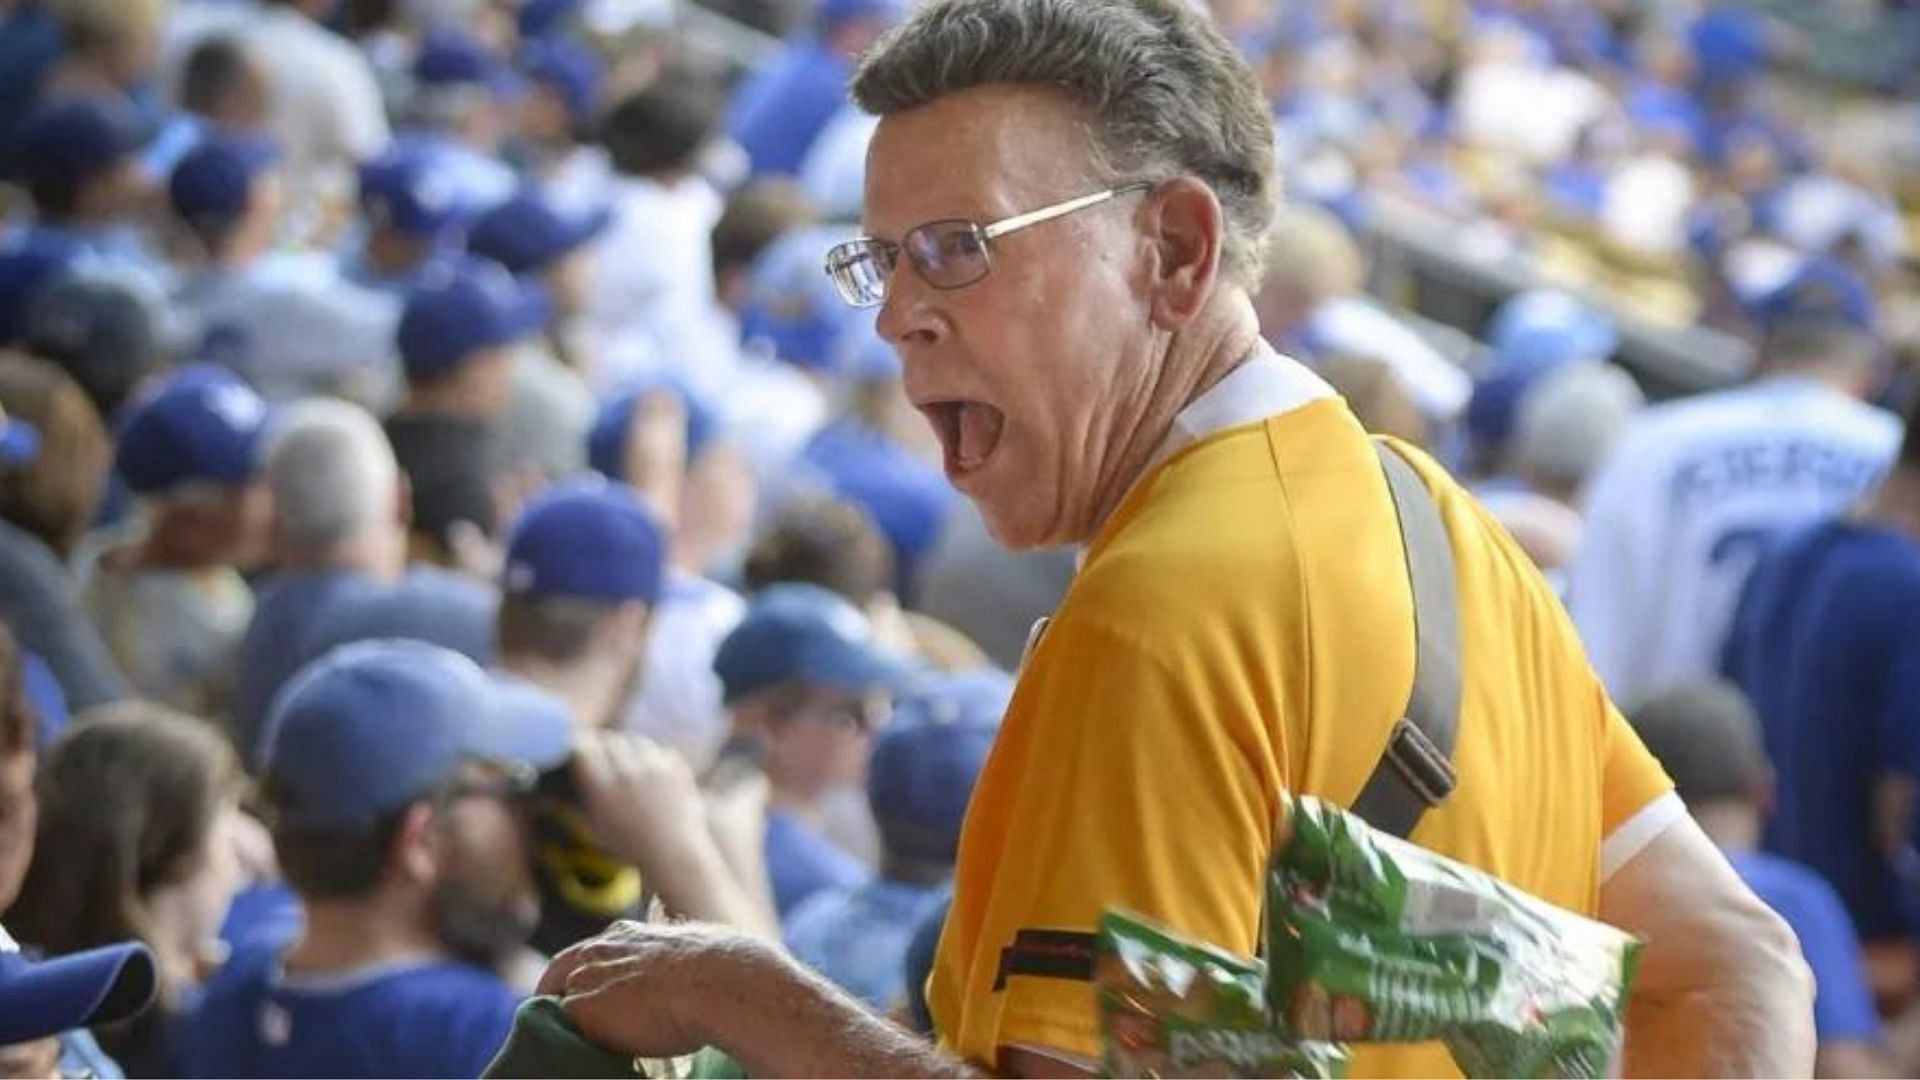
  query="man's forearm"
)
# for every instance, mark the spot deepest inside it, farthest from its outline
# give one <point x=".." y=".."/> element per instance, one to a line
<point x="794" y="1023"/>
<point x="1748" y="1017"/>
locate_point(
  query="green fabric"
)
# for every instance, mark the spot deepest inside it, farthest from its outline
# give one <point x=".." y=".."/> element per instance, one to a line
<point x="545" y="1043"/>
<point x="712" y="1064"/>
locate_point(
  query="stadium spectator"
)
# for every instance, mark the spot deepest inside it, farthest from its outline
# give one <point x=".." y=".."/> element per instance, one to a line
<point x="139" y="811"/>
<point x="1088" y="353"/>
<point x="412" y="210"/>
<point x="397" y="774"/>
<point x="326" y="106"/>
<point x="55" y="496"/>
<point x="46" y="1007"/>
<point x="1695" y="490"/>
<point x="867" y="457"/>
<point x="77" y="159"/>
<point x="1530" y="337"/>
<point x="1824" y="644"/>
<point x="552" y="407"/>
<point x="991" y="596"/>
<point x="556" y="120"/>
<point x="652" y="284"/>
<point x="291" y="325"/>
<point x="169" y="596"/>
<point x="457" y="337"/>
<point x="460" y="105"/>
<point x="1706" y="738"/>
<point x="708" y="502"/>
<point x="65" y="659"/>
<point x="584" y="571"/>
<point x="808" y="685"/>
<point x="924" y="764"/>
<point x="340" y="561"/>
<point x="106" y="326"/>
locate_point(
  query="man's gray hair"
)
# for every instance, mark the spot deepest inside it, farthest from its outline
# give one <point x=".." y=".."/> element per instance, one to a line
<point x="1166" y="94"/>
<point x="332" y="473"/>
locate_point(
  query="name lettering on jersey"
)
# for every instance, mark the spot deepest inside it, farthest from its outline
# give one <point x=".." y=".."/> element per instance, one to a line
<point x="1772" y="465"/>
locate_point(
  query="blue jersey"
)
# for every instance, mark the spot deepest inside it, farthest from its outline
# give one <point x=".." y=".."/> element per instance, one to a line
<point x="781" y="110"/>
<point x="859" y="938"/>
<point x="427" y="1019"/>
<point x="1826" y="644"/>
<point x="1843" y="1009"/>
<point x="801" y="862"/>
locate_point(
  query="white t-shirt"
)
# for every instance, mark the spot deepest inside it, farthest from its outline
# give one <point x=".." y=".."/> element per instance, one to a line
<point x="678" y="704"/>
<point x="326" y="110"/>
<point x="1689" y="499"/>
<point x="652" y="286"/>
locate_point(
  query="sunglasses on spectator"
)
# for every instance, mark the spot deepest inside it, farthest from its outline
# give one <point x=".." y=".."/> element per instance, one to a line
<point x="948" y="254"/>
<point x="506" y="782"/>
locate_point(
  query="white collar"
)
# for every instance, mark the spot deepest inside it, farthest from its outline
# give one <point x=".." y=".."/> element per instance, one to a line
<point x="1265" y="384"/>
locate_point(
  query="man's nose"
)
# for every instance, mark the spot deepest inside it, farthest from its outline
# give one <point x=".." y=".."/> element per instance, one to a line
<point x="909" y="313"/>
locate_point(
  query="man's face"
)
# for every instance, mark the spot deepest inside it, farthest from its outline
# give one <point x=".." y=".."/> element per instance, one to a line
<point x="485" y="901"/>
<point x="19" y="816"/>
<point x="1030" y="376"/>
<point x="818" y="739"/>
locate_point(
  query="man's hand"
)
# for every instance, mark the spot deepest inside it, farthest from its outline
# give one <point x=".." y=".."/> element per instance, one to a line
<point x="645" y="808"/>
<point x="663" y="991"/>
<point x="641" y="799"/>
<point x="642" y="989"/>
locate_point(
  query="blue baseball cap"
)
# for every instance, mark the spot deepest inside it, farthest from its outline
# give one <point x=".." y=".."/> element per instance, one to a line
<point x="792" y="307"/>
<point x="527" y="233"/>
<point x="613" y="426"/>
<point x="572" y="70"/>
<point x="926" y="759"/>
<point x="588" y="539"/>
<point x="449" y="57"/>
<point x="213" y="183"/>
<point x="203" y="423"/>
<point x="409" y="189"/>
<point x="804" y="634"/>
<point x="1822" y="292"/>
<point x="43" y="998"/>
<point x="70" y="140"/>
<point x="462" y="308"/>
<point x="375" y="725"/>
<point x="907" y="497"/>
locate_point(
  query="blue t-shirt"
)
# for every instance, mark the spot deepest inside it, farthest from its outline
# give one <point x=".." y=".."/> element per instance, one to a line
<point x="1826" y="644"/>
<point x="858" y="938"/>
<point x="430" y="1019"/>
<point x="801" y="862"/>
<point x="1843" y="1009"/>
<point x="780" y="110"/>
<point x="300" y="615"/>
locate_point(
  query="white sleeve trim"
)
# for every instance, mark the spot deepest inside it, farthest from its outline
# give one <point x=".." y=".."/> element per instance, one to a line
<point x="1635" y="833"/>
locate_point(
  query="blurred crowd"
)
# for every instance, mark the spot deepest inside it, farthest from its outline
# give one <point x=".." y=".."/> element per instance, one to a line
<point x="446" y="509"/>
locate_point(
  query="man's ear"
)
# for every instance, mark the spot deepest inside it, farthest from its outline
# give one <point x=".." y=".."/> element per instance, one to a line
<point x="1186" y="227"/>
<point x="416" y="854"/>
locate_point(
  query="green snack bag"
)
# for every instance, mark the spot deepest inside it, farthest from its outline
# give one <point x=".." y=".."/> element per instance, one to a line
<point x="1170" y="1007"/>
<point x="1370" y="939"/>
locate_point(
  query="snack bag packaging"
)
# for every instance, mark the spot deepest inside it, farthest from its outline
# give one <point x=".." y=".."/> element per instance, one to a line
<point x="1170" y="1007"/>
<point x="1370" y="939"/>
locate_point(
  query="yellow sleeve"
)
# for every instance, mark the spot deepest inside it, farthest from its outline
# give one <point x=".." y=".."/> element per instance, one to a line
<point x="1178" y="777"/>
<point x="1632" y="779"/>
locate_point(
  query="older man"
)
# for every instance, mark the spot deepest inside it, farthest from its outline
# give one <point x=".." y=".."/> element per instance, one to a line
<point x="1065" y="203"/>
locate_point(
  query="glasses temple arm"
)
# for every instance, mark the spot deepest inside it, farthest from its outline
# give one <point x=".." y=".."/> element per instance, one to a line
<point x="1048" y="213"/>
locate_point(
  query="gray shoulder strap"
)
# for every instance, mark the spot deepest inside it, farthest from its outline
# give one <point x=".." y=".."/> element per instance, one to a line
<point x="1415" y="771"/>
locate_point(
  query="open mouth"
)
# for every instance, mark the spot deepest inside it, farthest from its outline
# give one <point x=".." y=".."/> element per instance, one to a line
<point x="969" y="432"/>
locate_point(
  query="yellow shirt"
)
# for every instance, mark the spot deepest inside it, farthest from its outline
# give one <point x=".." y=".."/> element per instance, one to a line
<point x="1240" y="628"/>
